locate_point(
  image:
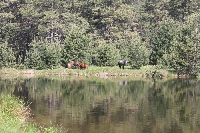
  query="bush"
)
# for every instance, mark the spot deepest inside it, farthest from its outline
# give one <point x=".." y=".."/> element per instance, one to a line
<point x="107" y="55"/>
<point x="43" y="55"/>
<point x="7" y="58"/>
<point x="76" y="48"/>
<point x="138" y="54"/>
<point x="154" y="71"/>
<point x="13" y="116"/>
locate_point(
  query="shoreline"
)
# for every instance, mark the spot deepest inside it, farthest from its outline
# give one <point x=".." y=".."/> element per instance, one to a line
<point x="102" y="72"/>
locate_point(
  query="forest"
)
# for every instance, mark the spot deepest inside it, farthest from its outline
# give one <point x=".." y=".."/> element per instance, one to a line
<point x="47" y="34"/>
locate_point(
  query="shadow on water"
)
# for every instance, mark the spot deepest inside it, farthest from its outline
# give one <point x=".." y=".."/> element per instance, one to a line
<point x="21" y="91"/>
<point x="95" y="105"/>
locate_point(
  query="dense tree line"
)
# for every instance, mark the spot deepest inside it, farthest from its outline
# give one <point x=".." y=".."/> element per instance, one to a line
<point x="46" y="34"/>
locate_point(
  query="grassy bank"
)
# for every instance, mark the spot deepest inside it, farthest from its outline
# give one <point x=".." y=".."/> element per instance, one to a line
<point x="144" y="72"/>
<point x="14" y="115"/>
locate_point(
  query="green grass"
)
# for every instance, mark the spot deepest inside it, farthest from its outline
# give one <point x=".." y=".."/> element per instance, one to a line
<point x="144" y="72"/>
<point x="14" y="115"/>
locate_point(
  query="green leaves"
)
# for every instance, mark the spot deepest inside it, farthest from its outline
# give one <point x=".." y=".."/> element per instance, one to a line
<point x="107" y="55"/>
<point x="43" y="55"/>
<point x="42" y="33"/>
<point x="76" y="47"/>
<point x="175" y="45"/>
<point x="161" y="40"/>
<point x="185" y="50"/>
<point x="138" y="53"/>
<point x="7" y="58"/>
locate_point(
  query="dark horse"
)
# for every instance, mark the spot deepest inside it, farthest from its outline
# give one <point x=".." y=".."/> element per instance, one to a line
<point x="122" y="63"/>
<point x="82" y="65"/>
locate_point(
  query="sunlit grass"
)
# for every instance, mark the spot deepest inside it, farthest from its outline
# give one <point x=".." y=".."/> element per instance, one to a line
<point x="143" y="72"/>
<point x="14" y="115"/>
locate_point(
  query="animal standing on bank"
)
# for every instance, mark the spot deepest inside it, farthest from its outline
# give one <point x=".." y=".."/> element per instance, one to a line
<point x="122" y="63"/>
<point x="70" y="65"/>
<point x="81" y="65"/>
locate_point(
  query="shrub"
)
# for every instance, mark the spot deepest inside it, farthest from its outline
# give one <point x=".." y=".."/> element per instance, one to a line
<point x="7" y="58"/>
<point x="107" y="55"/>
<point x="43" y="55"/>
<point x="154" y="71"/>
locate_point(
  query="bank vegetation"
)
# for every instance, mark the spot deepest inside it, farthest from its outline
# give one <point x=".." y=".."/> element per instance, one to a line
<point x="147" y="72"/>
<point x="40" y="34"/>
<point x="14" y="115"/>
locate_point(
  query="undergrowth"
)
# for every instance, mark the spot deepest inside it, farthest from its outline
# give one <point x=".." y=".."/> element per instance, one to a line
<point x="14" y="115"/>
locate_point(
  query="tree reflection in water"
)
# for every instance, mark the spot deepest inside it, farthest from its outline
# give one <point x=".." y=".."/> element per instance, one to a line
<point x="21" y="91"/>
<point x="111" y="105"/>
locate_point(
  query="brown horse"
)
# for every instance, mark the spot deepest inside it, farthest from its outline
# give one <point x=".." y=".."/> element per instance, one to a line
<point x="70" y="65"/>
<point x="82" y="65"/>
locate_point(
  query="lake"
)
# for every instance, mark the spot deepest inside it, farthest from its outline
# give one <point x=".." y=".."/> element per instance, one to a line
<point x="111" y="105"/>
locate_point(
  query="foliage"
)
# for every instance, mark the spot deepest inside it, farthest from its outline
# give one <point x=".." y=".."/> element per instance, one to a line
<point x="7" y="58"/>
<point x="44" y="55"/>
<point x="154" y="71"/>
<point x="186" y="54"/>
<point x="164" y="31"/>
<point x="14" y="115"/>
<point x="107" y="55"/>
<point x="161" y="41"/>
<point x="77" y="47"/>
<point x="138" y="53"/>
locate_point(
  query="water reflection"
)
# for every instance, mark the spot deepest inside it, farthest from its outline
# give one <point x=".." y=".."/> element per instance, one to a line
<point x="82" y="105"/>
<point x="21" y="91"/>
<point x="123" y="82"/>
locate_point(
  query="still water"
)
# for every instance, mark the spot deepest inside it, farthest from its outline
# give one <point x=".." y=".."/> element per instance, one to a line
<point x="95" y="105"/>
